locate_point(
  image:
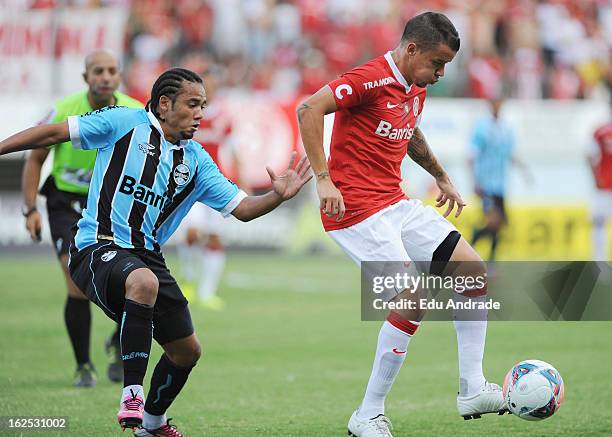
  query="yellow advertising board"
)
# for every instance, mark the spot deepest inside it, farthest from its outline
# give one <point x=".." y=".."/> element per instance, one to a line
<point x="534" y="232"/>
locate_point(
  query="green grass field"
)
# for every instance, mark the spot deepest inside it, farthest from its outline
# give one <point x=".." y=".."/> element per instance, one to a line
<point x="289" y="357"/>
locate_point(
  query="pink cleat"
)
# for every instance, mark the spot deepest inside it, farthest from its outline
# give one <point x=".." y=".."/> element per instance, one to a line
<point x="131" y="410"/>
<point x="166" y="430"/>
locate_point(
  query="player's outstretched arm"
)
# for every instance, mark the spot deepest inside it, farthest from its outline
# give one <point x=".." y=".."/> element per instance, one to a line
<point x="30" y="180"/>
<point x="310" y="116"/>
<point x="420" y="152"/>
<point x="36" y="137"/>
<point x="284" y="187"/>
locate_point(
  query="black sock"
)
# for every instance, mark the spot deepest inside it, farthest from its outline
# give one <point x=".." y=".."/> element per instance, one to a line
<point x="115" y="336"/>
<point x="77" y="316"/>
<point x="166" y="383"/>
<point x="136" y="335"/>
<point x="478" y="234"/>
<point x="494" y="240"/>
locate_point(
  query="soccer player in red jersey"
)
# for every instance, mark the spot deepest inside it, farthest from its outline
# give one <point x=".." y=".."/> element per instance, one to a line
<point x="377" y="107"/>
<point x="600" y="161"/>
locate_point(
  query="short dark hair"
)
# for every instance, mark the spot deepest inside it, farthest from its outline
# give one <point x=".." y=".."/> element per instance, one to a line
<point x="169" y="84"/>
<point x="429" y="29"/>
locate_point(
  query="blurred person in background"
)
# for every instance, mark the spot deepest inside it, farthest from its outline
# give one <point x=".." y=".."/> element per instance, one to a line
<point x="202" y="254"/>
<point x="492" y="153"/>
<point x="66" y="192"/>
<point x="600" y="161"/>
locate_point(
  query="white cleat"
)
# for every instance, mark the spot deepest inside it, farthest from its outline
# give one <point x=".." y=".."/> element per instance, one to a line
<point x="488" y="400"/>
<point x="379" y="426"/>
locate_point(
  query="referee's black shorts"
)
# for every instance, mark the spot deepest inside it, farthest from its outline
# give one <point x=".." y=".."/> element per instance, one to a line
<point x="64" y="211"/>
<point x="100" y="270"/>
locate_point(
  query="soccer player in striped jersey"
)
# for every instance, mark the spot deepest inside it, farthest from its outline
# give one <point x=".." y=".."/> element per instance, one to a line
<point x="66" y="193"/>
<point x="148" y="174"/>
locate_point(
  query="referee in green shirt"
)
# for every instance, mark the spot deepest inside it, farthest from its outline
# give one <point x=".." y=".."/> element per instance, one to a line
<point x="66" y="192"/>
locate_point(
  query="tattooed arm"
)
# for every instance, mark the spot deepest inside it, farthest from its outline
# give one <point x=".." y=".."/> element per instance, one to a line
<point x="420" y="152"/>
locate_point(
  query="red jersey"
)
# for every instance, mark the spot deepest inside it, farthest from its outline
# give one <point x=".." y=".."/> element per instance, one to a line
<point x="377" y="114"/>
<point x="214" y="131"/>
<point x="603" y="170"/>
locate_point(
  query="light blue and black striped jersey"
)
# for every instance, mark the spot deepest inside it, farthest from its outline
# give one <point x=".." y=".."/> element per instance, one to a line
<point x="492" y="144"/>
<point x="142" y="185"/>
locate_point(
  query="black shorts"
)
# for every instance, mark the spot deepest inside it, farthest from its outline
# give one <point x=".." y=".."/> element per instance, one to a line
<point x="64" y="211"/>
<point x="493" y="201"/>
<point x="100" y="270"/>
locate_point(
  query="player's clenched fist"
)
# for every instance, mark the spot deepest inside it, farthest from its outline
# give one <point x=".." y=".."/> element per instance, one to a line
<point x="331" y="202"/>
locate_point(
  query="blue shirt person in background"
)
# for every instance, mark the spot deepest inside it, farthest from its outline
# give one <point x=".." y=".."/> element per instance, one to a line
<point x="148" y="173"/>
<point x="492" y="147"/>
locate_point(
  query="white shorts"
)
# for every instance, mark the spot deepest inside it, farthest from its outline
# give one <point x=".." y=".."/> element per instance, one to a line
<point x="602" y="205"/>
<point x="204" y="219"/>
<point x="404" y="231"/>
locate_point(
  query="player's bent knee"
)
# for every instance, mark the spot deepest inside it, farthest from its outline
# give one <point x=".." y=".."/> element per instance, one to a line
<point x="477" y="273"/>
<point x="196" y="352"/>
<point x="184" y="353"/>
<point x="141" y="286"/>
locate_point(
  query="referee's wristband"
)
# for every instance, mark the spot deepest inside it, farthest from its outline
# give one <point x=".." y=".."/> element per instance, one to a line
<point x="28" y="212"/>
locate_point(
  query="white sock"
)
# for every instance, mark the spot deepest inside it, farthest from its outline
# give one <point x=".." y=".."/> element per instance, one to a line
<point x="189" y="259"/>
<point x="131" y="390"/>
<point x="471" y="336"/>
<point x="387" y="364"/>
<point x="213" y="263"/>
<point x="600" y="241"/>
<point x="149" y="421"/>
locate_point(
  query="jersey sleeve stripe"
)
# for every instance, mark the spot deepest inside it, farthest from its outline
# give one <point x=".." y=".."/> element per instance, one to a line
<point x="232" y="204"/>
<point x="73" y="127"/>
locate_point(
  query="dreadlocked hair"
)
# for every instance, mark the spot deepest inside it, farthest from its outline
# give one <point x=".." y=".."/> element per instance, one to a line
<point x="169" y="85"/>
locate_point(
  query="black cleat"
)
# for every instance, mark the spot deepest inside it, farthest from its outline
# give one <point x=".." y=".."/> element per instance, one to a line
<point x="115" y="367"/>
<point x="85" y="376"/>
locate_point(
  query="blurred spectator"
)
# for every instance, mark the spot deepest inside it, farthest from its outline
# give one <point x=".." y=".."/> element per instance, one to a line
<point x="524" y="48"/>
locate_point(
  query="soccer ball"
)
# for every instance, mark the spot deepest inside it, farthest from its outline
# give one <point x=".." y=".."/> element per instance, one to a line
<point x="533" y="390"/>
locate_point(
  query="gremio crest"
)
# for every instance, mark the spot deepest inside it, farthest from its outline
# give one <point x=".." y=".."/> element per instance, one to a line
<point x="181" y="174"/>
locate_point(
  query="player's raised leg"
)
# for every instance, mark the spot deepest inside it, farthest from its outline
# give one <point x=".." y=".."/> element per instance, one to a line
<point x="476" y="395"/>
<point x="136" y="334"/>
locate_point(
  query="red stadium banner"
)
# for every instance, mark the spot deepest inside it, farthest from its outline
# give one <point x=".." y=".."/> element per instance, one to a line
<point x="42" y="51"/>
